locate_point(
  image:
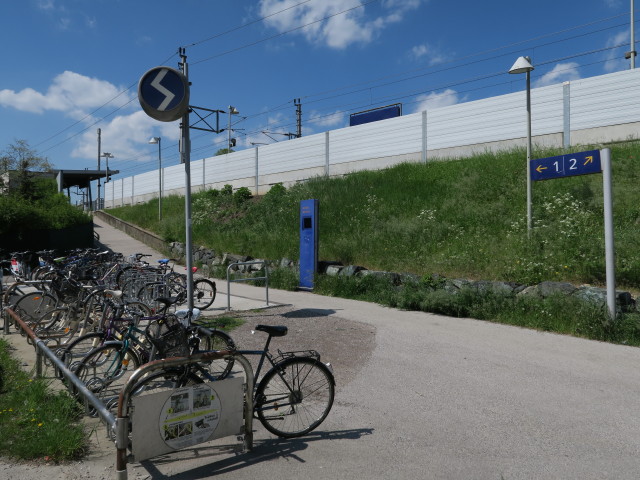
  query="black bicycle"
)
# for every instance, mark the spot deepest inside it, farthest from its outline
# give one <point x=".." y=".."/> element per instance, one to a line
<point x="290" y="400"/>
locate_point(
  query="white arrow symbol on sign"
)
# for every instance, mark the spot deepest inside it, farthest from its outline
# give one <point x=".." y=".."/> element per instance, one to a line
<point x="169" y="96"/>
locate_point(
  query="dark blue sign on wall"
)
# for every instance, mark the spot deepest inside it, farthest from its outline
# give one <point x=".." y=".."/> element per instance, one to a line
<point x="308" y="242"/>
<point x="581" y="163"/>
<point x="375" y="114"/>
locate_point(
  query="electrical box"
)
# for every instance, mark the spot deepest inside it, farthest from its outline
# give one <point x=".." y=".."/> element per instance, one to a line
<point x="308" y="243"/>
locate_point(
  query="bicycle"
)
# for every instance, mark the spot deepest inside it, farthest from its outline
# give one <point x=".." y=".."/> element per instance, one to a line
<point x="293" y="398"/>
<point x="105" y="368"/>
<point x="172" y="284"/>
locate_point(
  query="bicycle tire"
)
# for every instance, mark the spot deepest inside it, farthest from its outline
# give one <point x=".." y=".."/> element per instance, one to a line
<point x="106" y="370"/>
<point x="204" y="293"/>
<point x="216" y="340"/>
<point x="295" y="396"/>
<point x="151" y="291"/>
<point x="32" y="306"/>
<point x="73" y="352"/>
<point x="60" y="323"/>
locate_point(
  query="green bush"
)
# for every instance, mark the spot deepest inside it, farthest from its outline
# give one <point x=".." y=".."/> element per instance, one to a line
<point x="46" y="210"/>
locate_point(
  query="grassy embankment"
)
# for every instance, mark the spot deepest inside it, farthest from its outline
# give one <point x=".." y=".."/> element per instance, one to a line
<point x="457" y="219"/>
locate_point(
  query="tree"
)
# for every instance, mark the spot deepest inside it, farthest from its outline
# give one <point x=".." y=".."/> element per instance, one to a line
<point x="223" y="151"/>
<point x="19" y="157"/>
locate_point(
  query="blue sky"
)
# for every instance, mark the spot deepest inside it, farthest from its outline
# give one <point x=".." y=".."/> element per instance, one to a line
<point x="72" y="66"/>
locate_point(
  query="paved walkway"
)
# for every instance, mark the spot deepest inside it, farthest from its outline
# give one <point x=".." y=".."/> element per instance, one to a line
<point x="243" y="297"/>
<point x="439" y="398"/>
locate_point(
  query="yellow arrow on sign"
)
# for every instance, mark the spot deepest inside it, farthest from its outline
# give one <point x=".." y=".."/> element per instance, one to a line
<point x="540" y="168"/>
<point x="588" y="160"/>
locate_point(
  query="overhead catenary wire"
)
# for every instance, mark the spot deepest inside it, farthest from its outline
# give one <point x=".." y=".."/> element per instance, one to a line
<point x="312" y="95"/>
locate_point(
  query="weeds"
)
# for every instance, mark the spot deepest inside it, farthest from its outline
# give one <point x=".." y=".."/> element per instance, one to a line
<point x="35" y="422"/>
<point x="457" y="219"/>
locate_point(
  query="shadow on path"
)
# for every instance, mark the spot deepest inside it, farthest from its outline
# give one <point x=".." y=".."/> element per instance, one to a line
<point x="263" y="451"/>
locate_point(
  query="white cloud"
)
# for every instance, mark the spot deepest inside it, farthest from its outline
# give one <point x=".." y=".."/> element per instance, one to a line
<point x="426" y="53"/>
<point x="616" y="62"/>
<point x="69" y="92"/>
<point x="327" y="120"/>
<point x="339" y="30"/>
<point x="437" y="100"/>
<point x="77" y="96"/>
<point x="562" y="72"/>
<point x="45" y="5"/>
<point x="123" y="137"/>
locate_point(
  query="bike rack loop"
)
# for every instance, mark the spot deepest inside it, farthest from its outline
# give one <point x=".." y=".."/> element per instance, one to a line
<point x="247" y="279"/>
<point x="120" y="425"/>
<point x="121" y="428"/>
<point x="42" y="349"/>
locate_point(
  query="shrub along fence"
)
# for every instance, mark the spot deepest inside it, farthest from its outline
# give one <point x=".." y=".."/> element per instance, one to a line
<point x="77" y="236"/>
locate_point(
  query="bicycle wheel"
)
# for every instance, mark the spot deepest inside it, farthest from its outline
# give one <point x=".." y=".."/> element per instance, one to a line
<point x="32" y="306"/>
<point x="204" y="293"/>
<point x="72" y="353"/>
<point x="216" y="340"/>
<point x="106" y="369"/>
<point x="151" y="291"/>
<point x="295" y="396"/>
<point x="60" y="323"/>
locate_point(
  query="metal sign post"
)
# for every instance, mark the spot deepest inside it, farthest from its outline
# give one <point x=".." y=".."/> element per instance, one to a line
<point x="163" y="93"/>
<point x="584" y="163"/>
<point x="185" y="156"/>
<point x="609" y="246"/>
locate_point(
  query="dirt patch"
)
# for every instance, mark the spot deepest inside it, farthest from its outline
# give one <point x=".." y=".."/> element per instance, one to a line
<point x="346" y="344"/>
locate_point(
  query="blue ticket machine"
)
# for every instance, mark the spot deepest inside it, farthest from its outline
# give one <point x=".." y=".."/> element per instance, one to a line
<point x="308" y="243"/>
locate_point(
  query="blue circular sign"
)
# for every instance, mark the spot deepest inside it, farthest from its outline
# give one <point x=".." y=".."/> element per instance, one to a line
<point x="163" y="93"/>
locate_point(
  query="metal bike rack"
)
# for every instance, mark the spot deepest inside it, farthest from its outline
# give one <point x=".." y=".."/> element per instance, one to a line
<point x="247" y="279"/>
<point x="121" y="429"/>
<point x="119" y="425"/>
<point x="43" y="351"/>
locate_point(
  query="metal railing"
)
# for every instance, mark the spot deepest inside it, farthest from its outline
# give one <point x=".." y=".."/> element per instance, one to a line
<point x="119" y="425"/>
<point x="42" y="352"/>
<point x="247" y="279"/>
<point x="121" y="428"/>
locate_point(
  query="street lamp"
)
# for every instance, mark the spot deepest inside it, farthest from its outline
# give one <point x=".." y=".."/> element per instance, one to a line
<point x="153" y="141"/>
<point x="232" y="111"/>
<point x="523" y="65"/>
<point x="107" y="156"/>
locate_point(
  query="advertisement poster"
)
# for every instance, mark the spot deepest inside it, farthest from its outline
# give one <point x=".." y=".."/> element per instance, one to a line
<point x="173" y="419"/>
<point x="189" y="416"/>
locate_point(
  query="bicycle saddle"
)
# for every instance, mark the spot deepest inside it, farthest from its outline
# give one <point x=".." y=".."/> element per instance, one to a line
<point x="274" y="331"/>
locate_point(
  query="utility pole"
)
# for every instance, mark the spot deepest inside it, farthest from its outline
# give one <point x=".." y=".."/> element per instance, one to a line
<point x="296" y="102"/>
<point x="185" y="157"/>
<point x="632" y="53"/>
<point x="99" y="155"/>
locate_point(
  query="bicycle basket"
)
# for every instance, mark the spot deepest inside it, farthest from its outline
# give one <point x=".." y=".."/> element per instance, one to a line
<point x="169" y="337"/>
<point x="65" y="288"/>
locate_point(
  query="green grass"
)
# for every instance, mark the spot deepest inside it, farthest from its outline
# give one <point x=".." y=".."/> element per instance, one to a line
<point x="35" y="422"/>
<point x="459" y="218"/>
<point x="221" y="323"/>
<point x="456" y="219"/>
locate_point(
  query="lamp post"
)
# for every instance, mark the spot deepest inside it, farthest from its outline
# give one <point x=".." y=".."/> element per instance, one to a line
<point x="232" y="111"/>
<point x="153" y="141"/>
<point x="107" y="156"/>
<point x="523" y="65"/>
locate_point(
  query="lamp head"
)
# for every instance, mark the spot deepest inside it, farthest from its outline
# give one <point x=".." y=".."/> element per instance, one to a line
<point x="522" y="65"/>
<point x="233" y="110"/>
<point x="154" y="140"/>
